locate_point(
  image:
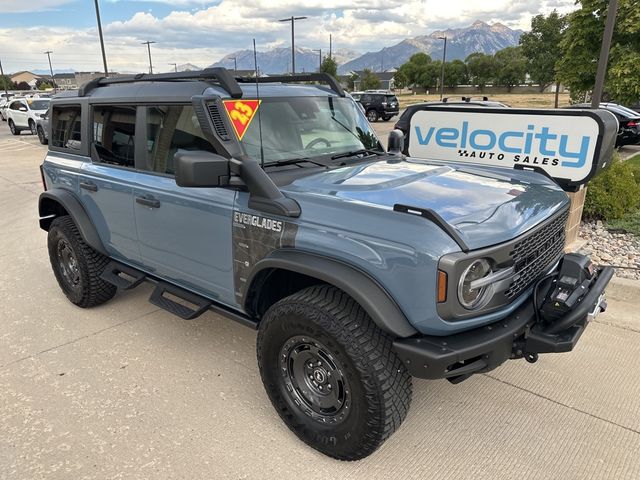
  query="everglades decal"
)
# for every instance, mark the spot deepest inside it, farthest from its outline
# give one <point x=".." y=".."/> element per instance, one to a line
<point x="564" y="146"/>
<point x="241" y="112"/>
<point x="254" y="238"/>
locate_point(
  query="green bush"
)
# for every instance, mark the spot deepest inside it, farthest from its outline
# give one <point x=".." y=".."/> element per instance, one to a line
<point x="613" y="193"/>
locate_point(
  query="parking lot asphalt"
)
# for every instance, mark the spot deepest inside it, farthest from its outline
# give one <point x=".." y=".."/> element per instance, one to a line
<point x="127" y="391"/>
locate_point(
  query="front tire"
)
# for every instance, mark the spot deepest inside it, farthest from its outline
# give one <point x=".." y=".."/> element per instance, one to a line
<point x="32" y="127"/>
<point x="41" y="137"/>
<point x="77" y="266"/>
<point x="331" y="373"/>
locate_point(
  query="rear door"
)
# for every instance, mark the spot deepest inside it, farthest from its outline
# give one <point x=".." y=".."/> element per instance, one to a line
<point x="184" y="233"/>
<point x="106" y="183"/>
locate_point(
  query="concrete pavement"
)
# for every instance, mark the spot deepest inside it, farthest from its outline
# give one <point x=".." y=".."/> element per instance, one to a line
<point x="127" y="391"/>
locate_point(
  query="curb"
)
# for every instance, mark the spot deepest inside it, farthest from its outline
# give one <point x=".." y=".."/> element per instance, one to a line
<point x="625" y="289"/>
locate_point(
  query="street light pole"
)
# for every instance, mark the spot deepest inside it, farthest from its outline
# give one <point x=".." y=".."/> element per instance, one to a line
<point x="235" y="63"/>
<point x="175" y="67"/>
<point x="604" y="53"/>
<point x="319" y="50"/>
<point x="148" y="44"/>
<point x="292" y="19"/>
<point x="444" y="58"/>
<point x="104" y="56"/>
<point x="55" y="89"/>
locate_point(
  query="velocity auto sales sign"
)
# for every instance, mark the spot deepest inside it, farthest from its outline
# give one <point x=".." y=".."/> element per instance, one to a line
<point x="568" y="145"/>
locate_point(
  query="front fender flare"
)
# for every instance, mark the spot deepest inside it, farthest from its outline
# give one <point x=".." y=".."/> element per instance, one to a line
<point x="365" y="290"/>
<point x="68" y="201"/>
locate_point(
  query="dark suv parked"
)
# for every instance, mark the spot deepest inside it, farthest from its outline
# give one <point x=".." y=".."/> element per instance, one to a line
<point x="275" y="205"/>
<point x="378" y="105"/>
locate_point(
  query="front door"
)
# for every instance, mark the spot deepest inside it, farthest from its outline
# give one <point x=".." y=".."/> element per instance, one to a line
<point x="184" y="233"/>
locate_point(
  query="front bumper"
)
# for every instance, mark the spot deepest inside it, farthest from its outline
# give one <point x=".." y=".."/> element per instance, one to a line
<point x="457" y="357"/>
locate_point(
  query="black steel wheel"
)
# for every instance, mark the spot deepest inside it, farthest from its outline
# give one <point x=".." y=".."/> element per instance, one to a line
<point x="331" y="373"/>
<point x="76" y="265"/>
<point x="41" y="136"/>
<point x="372" y="115"/>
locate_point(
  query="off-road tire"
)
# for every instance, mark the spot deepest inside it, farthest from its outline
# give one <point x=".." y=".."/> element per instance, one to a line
<point x="41" y="136"/>
<point x="372" y="115"/>
<point x="89" y="290"/>
<point x="386" y="118"/>
<point x="12" y="127"/>
<point x="378" y="385"/>
<point x="32" y="127"/>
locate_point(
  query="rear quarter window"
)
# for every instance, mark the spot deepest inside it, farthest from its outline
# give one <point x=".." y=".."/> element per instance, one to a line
<point x="66" y="127"/>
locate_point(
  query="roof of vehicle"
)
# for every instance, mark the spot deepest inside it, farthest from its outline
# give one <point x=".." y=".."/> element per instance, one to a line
<point x="460" y="103"/>
<point x="614" y="107"/>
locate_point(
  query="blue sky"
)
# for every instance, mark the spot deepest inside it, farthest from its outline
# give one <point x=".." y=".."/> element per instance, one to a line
<point x="203" y="31"/>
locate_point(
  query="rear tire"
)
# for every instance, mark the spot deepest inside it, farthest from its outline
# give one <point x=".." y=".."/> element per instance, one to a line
<point x="77" y="266"/>
<point x="41" y="137"/>
<point x="331" y="373"/>
<point x="12" y="127"/>
<point x="372" y="116"/>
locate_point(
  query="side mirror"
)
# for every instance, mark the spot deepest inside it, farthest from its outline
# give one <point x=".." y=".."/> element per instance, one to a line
<point x="395" y="144"/>
<point x="200" y="169"/>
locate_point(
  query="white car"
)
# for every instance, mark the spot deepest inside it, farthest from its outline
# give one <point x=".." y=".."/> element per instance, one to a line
<point x="23" y="113"/>
<point x="4" y="104"/>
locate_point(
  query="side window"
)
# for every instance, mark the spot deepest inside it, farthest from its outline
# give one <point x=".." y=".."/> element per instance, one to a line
<point x="169" y="129"/>
<point x="114" y="134"/>
<point x="366" y="98"/>
<point x="15" y="105"/>
<point x="66" y="127"/>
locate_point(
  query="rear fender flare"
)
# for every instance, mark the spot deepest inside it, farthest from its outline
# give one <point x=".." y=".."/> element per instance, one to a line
<point x="49" y="208"/>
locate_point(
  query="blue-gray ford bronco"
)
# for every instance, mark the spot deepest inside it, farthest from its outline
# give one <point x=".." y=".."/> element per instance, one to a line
<point x="272" y="202"/>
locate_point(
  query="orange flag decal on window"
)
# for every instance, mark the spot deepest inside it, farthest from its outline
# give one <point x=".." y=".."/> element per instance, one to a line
<point x="241" y="112"/>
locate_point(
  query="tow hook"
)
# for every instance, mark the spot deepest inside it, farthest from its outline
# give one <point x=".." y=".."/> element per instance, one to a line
<point x="531" y="357"/>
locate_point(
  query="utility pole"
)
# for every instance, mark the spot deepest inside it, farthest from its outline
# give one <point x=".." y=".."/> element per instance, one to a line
<point x="148" y="44"/>
<point x="444" y="59"/>
<point x="330" y="50"/>
<point x="319" y="50"/>
<point x="604" y="53"/>
<point x="3" y="80"/>
<point x="235" y="63"/>
<point x="175" y="67"/>
<point x="55" y="89"/>
<point x="104" y="56"/>
<point x="292" y="19"/>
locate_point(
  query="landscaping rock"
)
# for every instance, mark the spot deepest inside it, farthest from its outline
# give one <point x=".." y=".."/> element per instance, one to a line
<point x="621" y="250"/>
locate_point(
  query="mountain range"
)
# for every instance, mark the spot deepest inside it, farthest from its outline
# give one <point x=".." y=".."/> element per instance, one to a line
<point x="478" y="37"/>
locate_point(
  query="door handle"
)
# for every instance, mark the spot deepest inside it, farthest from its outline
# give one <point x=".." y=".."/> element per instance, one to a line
<point x="148" y="202"/>
<point x="92" y="187"/>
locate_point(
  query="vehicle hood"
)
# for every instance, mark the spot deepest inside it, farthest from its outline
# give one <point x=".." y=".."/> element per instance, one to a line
<point x="485" y="205"/>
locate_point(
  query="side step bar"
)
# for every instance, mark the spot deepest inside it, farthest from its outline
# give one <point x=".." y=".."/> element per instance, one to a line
<point x="185" y="304"/>
<point x="122" y="276"/>
<point x="159" y="299"/>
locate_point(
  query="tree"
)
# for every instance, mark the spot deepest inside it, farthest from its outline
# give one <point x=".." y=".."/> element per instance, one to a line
<point x="329" y="66"/>
<point x="351" y="81"/>
<point x="415" y="68"/>
<point x="429" y="75"/>
<point x="510" y="67"/>
<point x="455" y="73"/>
<point x="6" y="83"/>
<point x="541" y="47"/>
<point x="43" y="84"/>
<point x="581" y="47"/>
<point x="481" y="68"/>
<point x="400" y="79"/>
<point x="369" y="80"/>
<point x="23" y="86"/>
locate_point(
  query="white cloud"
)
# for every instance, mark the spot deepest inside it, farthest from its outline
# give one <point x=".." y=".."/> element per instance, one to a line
<point x="202" y="36"/>
<point x="21" y="6"/>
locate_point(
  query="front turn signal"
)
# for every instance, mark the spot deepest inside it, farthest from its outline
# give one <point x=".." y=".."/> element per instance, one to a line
<point x="442" y="286"/>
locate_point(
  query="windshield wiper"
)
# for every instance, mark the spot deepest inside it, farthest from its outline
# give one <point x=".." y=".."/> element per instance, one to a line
<point x="357" y="152"/>
<point x="293" y="161"/>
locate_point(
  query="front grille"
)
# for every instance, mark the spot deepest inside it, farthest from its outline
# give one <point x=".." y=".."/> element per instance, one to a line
<point x="534" y="254"/>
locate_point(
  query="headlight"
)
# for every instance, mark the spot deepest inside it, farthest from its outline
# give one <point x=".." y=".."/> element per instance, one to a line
<point x="469" y="297"/>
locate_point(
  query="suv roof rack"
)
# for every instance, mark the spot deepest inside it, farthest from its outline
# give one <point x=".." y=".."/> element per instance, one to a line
<point x="304" y="77"/>
<point x="221" y="75"/>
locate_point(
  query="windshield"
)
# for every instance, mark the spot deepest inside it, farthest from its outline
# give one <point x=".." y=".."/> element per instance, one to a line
<point x="306" y="127"/>
<point x="38" y="104"/>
